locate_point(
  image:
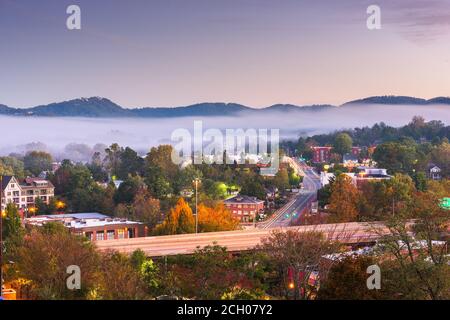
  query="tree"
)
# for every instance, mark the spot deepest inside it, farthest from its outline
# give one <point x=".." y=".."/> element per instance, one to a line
<point x="441" y="157"/>
<point x="180" y="220"/>
<point x="70" y="177"/>
<point x="342" y="144"/>
<point x="295" y="255"/>
<point x="417" y="266"/>
<point x="347" y="280"/>
<point x="253" y="187"/>
<point x="127" y="282"/>
<point x="130" y="163"/>
<point x="281" y="180"/>
<point x="12" y="230"/>
<point x="206" y="274"/>
<point x="218" y="218"/>
<point x="11" y="166"/>
<point x="397" y="157"/>
<point x="343" y="200"/>
<point x="144" y="208"/>
<point x="44" y="257"/>
<point x="294" y="178"/>
<point x="128" y="189"/>
<point x="161" y="157"/>
<point x="112" y="159"/>
<point x="37" y="161"/>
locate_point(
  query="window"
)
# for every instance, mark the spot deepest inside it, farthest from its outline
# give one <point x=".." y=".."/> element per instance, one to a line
<point x="110" y="234"/>
<point x="89" y="235"/>
<point x="120" y="234"/>
<point x="100" y="235"/>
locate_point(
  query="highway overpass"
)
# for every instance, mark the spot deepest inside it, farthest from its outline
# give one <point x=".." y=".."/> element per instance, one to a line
<point x="241" y="240"/>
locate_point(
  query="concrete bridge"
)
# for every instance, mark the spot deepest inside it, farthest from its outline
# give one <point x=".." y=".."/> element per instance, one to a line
<point x="241" y="240"/>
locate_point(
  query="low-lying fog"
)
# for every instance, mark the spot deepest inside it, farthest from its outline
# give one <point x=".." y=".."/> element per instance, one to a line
<point x="20" y="134"/>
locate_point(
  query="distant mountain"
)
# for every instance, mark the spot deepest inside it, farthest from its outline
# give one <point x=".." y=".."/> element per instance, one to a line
<point x="201" y="109"/>
<point x="294" y="108"/>
<point x="84" y="107"/>
<point x="97" y="107"/>
<point x="6" y="110"/>
<point x="399" y="100"/>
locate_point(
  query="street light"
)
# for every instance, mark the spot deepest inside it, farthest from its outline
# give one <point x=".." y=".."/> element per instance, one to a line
<point x="60" y="205"/>
<point x="196" y="181"/>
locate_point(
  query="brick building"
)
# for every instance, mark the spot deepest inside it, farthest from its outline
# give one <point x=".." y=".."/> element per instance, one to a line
<point x="244" y="208"/>
<point x="321" y="154"/>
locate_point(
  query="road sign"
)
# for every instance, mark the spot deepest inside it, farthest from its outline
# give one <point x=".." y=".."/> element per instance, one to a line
<point x="445" y="203"/>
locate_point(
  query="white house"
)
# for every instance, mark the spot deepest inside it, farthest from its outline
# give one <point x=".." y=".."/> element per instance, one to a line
<point x="434" y="172"/>
<point x="24" y="194"/>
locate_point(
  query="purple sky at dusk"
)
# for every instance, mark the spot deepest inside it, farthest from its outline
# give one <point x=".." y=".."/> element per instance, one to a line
<point x="142" y="53"/>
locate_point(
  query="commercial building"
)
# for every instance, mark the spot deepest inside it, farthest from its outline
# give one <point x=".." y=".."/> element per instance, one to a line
<point x="94" y="226"/>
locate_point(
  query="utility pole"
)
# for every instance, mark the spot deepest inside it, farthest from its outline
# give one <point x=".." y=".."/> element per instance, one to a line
<point x="196" y="181"/>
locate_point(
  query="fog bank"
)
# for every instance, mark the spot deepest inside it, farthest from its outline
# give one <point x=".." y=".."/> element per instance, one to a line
<point x="54" y="134"/>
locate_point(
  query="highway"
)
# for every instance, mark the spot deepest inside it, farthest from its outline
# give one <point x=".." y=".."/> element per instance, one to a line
<point x="284" y="216"/>
<point x="240" y="240"/>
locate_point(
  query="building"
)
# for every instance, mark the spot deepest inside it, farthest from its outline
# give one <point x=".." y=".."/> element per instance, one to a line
<point x="363" y="176"/>
<point x="25" y="193"/>
<point x="244" y="208"/>
<point x="434" y="172"/>
<point x="94" y="226"/>
<point x="321" y="154"/>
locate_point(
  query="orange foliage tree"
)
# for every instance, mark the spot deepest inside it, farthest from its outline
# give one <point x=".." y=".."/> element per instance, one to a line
<point x="180" y="220"/>
<point x="218" y="218"/>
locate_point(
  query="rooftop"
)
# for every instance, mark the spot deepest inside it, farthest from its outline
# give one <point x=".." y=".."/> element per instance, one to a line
<point x="242" y="199"/>
<point x="79" y="220"/>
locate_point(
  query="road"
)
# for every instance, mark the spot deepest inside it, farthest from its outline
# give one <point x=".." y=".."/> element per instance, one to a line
<point x="292" y="210"/>
<point x="240" y="240"/>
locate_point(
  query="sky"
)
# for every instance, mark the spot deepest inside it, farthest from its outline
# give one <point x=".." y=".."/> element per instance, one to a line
<point x="163" y="53"/>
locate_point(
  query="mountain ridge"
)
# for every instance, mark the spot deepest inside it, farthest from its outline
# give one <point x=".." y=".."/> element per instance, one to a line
<point x="98" y="107"/>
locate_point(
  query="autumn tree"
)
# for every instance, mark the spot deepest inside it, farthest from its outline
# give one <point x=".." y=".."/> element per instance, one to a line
<point x="206" y="274"/>
<point x="44" y="257"/>
<point x="179" y="220"/>
<point x="118" y="279"/>
<point x="343" y="200"/>
<point x="217" y="218"/>
<point x="297" y="254"/>
<point x="418" y="266"/>
<point x="144" y="208"/>
<point x="347" y="280"/>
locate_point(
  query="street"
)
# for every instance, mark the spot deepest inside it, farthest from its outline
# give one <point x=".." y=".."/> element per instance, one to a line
<point x="292" y="210"/>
